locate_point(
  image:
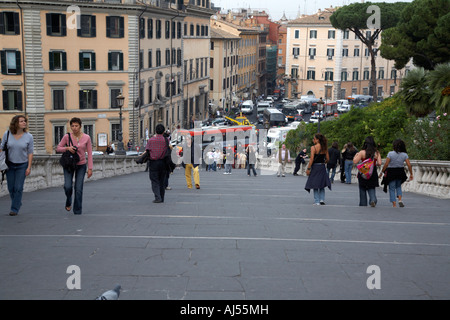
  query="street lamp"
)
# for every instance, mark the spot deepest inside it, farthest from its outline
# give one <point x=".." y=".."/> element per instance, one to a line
<point x="320" y="108"/>
<point x="120" y="150"/>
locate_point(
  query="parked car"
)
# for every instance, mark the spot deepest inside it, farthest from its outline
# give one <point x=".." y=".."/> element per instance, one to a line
<point x="343" y="105"/>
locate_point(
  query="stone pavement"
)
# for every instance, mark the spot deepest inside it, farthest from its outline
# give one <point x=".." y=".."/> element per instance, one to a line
<point x="237" y="238"/>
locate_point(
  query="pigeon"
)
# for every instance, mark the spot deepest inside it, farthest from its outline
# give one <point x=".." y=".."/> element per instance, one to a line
<point x="110" y="294"/>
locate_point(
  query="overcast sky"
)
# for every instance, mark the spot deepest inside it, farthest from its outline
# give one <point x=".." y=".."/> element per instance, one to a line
<point x="275" y="8"/>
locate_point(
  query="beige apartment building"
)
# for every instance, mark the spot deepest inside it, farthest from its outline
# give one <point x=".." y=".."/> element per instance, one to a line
<point x="196" y="43"/>
<point x="224" y="57"/>
<point x="331" y="63"/>
<point x="248" y="48"/>
<point x="64" y="59"/>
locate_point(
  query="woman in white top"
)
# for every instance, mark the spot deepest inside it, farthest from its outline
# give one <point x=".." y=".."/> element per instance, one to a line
<point x="395" y="172"/>
<point x="19" y="144"/>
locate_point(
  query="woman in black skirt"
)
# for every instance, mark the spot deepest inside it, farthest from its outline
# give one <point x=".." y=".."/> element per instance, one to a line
<point x="316" y="171"/>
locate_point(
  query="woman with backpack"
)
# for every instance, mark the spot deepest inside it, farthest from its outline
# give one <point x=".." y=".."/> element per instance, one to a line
<point x="367" y="183"/>
<point x="395" y="171"/>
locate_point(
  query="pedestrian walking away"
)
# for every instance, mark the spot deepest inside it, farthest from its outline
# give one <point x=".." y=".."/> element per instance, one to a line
<point x="81" y="144"/>
<point x="335" y="158"/>
<point x="192" y="157"/>
<point x="394" y="172"/>
<point x="18" y="146"/>
<point x="348" y="154"/>
<point x="157" y="148"/>
<point x="316" y="171"/>
<point x="251" y="160"/>
<point x="229" y="159"/>
<point x="299" y="161"/>
<point x="284" y="156"/>
<point x="367" y="186"/>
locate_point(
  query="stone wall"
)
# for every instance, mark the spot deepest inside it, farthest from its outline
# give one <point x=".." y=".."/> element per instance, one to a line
<point x="431" y="178"/>
<point x="46" y="172"/>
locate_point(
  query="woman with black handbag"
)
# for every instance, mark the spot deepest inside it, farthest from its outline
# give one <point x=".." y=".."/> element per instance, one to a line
<point x="18" y="145"/>
<point x="81" y="144"/>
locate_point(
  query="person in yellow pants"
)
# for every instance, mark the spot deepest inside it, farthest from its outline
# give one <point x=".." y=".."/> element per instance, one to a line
<point x="192" y="155"/>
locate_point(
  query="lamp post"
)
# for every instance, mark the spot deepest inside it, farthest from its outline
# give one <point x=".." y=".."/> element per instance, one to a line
<point x="120" y="150"/>
<point x="320" y="108"/>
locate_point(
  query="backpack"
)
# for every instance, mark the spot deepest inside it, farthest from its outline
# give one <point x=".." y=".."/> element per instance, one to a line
<point x="366" y="168"/>
<point x="68" y="159"/>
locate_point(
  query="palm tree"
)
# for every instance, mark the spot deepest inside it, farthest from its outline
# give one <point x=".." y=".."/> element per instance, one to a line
<point x="416" y="93"/>
<point x="439" y="82"/>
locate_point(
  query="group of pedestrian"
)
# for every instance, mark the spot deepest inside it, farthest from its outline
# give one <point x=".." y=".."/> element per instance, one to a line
<point x="323" y="161"/>
<point x="19" y="146"/>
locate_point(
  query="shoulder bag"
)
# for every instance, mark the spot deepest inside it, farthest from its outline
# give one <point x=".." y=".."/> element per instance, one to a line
<point x="365" y="168"/>
<point x="68" y="159"/>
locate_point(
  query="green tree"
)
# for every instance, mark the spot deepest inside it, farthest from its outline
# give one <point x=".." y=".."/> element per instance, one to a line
<point x="355" y="18"/>
<point x="439" y="83"/>
<point x="423" y="34"/>
<point x="415" y="93"/>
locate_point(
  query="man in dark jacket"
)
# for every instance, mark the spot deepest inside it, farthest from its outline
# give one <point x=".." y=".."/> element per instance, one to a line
<point x="192" y="157"/>
<point x="156" y="148"/>
<point x="300" y="159"/>
<point x="335" y="157"/>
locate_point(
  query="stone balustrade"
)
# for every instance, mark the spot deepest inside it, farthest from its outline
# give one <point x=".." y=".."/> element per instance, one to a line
<point x="46" y="172"/>
<point x="431" y="178"/>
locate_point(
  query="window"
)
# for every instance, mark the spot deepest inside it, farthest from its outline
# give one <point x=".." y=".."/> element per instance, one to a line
<point x="294" y="73"/>
<point x="312" y="53"/>
<point x="114" y="93"/>
<point x="356" y="52"/>
<point x="313" y="34"/>
<point x="115" y="130"/>
<point x="345" y="52"/>
<point x="211" y="45"/>
<point x="58" y="99"/>
<point x="296" y="52"/>
<point x="9" y="23"/>
<point x="11" y="62"/>
<point x="167" y="29"/>
<point x="115" y="27"/>
<point x="89" y="130"/>
<point x="297" y="34"/>
<point x="150" y="59"/>
<point x="12" y="100"/>
<point x="58" y="134"/>
<point x="115" y="60"/>
<point x="167" y="57"/>
<point x="56" y="24"/>
<point x="331" y="34"/>
<point x="174" y="30"/>
<point x="381" y="74"/>
<point x="87" y="60"/>
<point x="141" y="28"/>
<point x="393" y="74"/>
<point x="150" y="28"/>
<point x="178" y="30"/>
<point x="88" y="26"/>
<point x="158" y="57"/>
<point x="330" y="52"/>
<point x="355" y="75"/>
<point x="88" y="99"/>
<point x="366" y="75"/>
<point x="211" y="84"/>
<point x="191" y="30"/>
<point x="344" y="75"/>
<point x="345" y="34"/>
<point x="150" y="93"/>
<point x="158" y="29"/>
<point x="57" y="60"/>
<point x="328" y="75"/>
<point x="311" y="75"/>
<point x="178" y="57"/>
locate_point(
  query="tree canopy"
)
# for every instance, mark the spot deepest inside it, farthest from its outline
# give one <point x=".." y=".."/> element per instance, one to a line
<point x="423" y="34"/>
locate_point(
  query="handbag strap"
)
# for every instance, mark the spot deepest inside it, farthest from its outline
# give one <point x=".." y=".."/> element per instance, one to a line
<point x="70" y="140"/>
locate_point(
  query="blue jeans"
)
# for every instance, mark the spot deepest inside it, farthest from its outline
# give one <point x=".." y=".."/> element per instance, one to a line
<point x="363" y="196"/>
<point x="79" y="173"/>
<point x="15" y="177"/>
<point x="319" y="195"/>
<point x="348" y="171"/>
<point x="333" y="173"/>
<point x="395" y="186"/>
